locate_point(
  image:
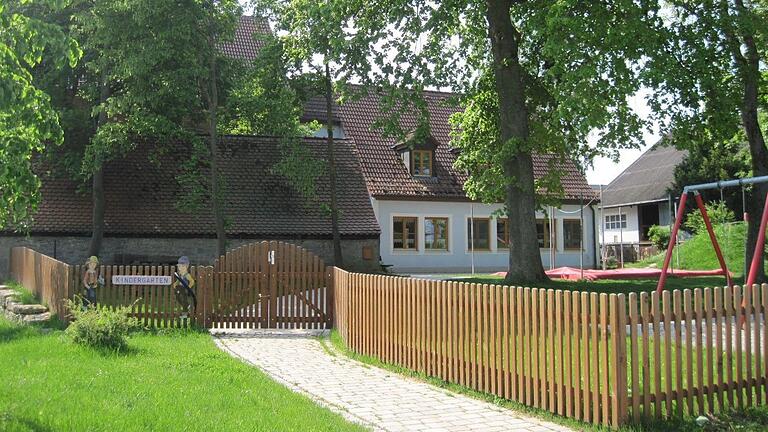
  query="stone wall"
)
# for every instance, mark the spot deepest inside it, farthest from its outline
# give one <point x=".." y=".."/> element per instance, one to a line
<point x="73" y="250"/>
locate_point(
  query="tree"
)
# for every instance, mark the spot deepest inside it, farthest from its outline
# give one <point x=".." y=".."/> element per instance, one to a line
<point x="531" y="77"/>
<point x="27" y="120"/>
<point x="144" y="77"/>
<point x="317" y="44"/>
<point x="707" y="69"/>
<point x="709" y="162"/>
<point x="264" y="101"/>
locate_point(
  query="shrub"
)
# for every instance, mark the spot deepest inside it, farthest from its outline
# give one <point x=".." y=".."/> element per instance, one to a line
<point x="718" y="212"/>
<point x="100" y="326"/>
<point x="611" y="263"/>
<point x="659" y="236"/>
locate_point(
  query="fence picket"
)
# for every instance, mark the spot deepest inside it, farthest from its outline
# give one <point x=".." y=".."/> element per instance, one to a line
<point x="737" y="317"/>
<point x="633" y="322"/>
<point x="700" y="320"/>
<point x="747" y="318"/>
<point x="678" y="311"/>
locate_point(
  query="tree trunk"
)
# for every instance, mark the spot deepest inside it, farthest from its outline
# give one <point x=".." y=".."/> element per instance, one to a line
<point x="524" y="255"/>
<point x="97" y="181"/>
<point x="337" y="256"/>
<point x="749" y="118"/>
<point x="217" y="200"/>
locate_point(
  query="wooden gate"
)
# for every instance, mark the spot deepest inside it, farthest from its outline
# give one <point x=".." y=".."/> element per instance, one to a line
<point x="269" y="284"/>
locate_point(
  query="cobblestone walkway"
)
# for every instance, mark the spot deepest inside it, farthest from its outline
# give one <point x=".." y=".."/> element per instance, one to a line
<point x="367" y="395"/>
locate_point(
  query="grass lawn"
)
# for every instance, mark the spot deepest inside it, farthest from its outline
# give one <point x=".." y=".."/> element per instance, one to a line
<point x="167" y="382"/>
<point x="697" y="253"/>
<point x="625" y="286"/>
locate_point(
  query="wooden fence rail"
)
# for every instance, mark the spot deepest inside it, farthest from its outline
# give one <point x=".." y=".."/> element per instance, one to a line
<point x="599" y="358"/>
<point x="47" y="278"/>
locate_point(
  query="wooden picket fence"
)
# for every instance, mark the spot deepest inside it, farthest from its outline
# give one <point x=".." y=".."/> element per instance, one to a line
<point x="266" y="284"/>
<point x="47" y="278"/>
<point x="560" y="350"/>
<point x="153" y="305"/>
<point x="606" y="359"/>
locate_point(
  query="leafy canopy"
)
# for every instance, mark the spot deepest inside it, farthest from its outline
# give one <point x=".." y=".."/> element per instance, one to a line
<point x="27" y="119"/>
<point x="581" y="62"/>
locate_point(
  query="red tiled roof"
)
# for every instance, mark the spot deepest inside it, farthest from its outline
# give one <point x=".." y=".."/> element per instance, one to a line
<point x="387" y="177"/>
<point x="244" y="45"/>
<point x="142" y="197"/>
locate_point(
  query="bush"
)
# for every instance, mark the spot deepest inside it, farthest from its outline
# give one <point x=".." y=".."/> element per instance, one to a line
<point x="718" y="212"/>
<point x="659" y="236"/>
<point x="100" y="326"/>
<point x="611" y="263"/>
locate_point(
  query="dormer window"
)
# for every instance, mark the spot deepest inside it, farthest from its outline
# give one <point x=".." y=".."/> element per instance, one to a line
<point x="418" y="157"/>
<point x="422" y="163"/>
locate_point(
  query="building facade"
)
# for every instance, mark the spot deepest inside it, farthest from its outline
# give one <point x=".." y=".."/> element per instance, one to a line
<point x="428" y="224"/>
<point x="637" y="199"/>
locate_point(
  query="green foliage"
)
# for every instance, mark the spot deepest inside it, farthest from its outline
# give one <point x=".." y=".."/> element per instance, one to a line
<point x="100" y="326"/>
<point x="263" y="101"/>
<point x="580" y="63"/>
<point x="659" y="236"/>
<point x="718" y="213"/>
<point x="713" y="161"/>
<point x="698" y="66"/>
<point x="611" y="263"/>
<point x="23" y="295"/>
<point x="27" y="120"/>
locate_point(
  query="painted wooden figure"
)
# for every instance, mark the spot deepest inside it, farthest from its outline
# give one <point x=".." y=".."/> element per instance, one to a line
<point x="184" y="287"/>
<point x="91" y="280"/>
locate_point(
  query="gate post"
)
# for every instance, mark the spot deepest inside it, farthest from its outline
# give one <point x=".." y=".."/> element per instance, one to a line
<point x="330" y="302"/>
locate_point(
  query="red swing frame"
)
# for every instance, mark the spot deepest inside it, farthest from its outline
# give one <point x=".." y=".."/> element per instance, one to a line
<point x="756" y="256"/>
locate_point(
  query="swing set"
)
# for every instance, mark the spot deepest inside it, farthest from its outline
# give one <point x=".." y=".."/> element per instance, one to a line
<point x="695" y="189"/>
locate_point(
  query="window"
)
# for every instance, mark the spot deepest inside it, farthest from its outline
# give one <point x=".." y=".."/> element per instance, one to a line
<point x="404" y="232"/>
<point x="422" y="163"/>
<point x="615" y="221"/>
<point x="542" y="233"/>
<point x="572" y="234"/>
<point x="480" y="229"/>
<point x="436" y="233"/>
<point x="502" y="233"/>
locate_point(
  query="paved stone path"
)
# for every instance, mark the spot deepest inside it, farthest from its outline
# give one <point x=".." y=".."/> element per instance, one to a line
<point x="371" y="396"/>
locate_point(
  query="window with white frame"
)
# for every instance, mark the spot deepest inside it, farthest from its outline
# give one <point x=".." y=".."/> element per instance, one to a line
<point x="615" y="221"/>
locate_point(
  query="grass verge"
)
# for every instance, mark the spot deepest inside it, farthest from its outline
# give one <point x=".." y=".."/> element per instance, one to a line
<point x="23" y="295"/>
<point x="169" y="381"/>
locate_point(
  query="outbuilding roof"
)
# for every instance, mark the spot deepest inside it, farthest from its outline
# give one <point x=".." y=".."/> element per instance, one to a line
<point x="648" y="179"/>
<point x="143" y="197"/>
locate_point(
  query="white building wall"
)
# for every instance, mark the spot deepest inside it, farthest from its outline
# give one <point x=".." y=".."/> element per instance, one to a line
<point x="458" y="257"/>
<point x="628" y="235"/>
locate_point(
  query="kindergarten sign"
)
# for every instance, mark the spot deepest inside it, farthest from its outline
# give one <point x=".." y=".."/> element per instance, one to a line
<point x="141" y="280"/>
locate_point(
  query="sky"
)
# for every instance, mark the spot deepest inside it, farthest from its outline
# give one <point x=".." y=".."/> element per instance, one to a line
<point x="604" y="169"/>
